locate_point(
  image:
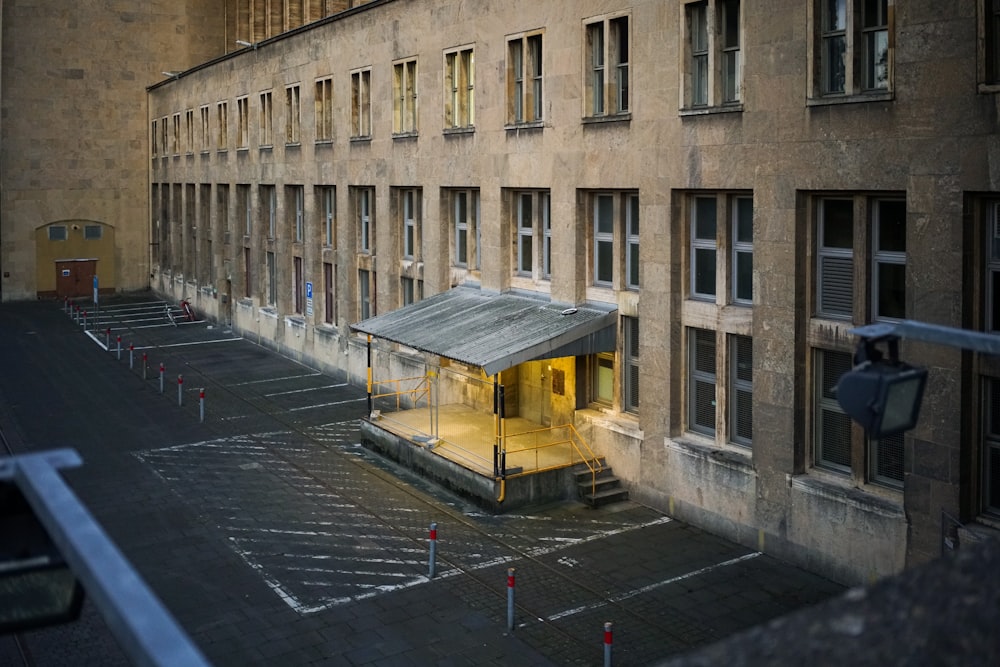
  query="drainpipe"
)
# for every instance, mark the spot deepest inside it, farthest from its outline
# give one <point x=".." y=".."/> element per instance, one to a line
<point x="371" y="405"/>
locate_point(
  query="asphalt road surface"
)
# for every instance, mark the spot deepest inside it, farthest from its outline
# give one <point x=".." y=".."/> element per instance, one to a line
<point x="274" y="538"/>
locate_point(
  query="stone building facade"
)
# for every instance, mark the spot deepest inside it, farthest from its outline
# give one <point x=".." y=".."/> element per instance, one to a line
<point x="798" y="168"/>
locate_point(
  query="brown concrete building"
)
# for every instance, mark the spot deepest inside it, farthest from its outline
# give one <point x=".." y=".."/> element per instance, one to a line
<point x="798" y="168"/>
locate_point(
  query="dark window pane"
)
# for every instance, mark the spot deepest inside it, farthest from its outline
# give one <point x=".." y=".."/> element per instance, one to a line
<point x="704" y="271"/>
<point x="838" y="223"/>
<point x="891" y="291"/>
<point x="892" y="226"/>
<point x="704" y="218"/>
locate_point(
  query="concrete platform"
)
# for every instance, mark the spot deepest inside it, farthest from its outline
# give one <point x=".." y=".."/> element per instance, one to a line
<point x="541" y="463"/>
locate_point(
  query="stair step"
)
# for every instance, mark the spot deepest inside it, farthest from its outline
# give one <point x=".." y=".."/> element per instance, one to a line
<point x="606" y="497"/>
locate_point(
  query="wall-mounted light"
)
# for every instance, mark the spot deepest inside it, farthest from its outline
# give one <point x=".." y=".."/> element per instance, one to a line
<point x="172" y="75"/>
<point x="246" y="45"/>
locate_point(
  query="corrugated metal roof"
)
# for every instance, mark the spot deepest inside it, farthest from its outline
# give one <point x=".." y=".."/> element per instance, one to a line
<point x="494" y="331"/>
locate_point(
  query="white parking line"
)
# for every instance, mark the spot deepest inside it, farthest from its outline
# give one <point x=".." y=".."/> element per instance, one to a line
<point x="197" y="342"/>
<point x="287" y="377"/>
<point x="299" y="391"/>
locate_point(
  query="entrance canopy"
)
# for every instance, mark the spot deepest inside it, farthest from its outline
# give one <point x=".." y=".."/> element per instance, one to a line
<point x="495" y="331"/>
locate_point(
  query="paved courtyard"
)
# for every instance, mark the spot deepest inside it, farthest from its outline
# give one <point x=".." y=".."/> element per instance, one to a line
<point x="274" y="537"/>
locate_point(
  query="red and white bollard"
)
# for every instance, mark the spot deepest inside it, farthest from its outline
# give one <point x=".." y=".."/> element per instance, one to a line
<point x="510" y="599"/>
<point x="145" y="365"/>
<point x="180" y="390"/>
<point x="131" y="356"/>
<point x="433" y="555"/>
<point x="607" y="644"/>
<point x="119" y="348"/>
<point x="201" y="404"/>
<point x="162" y="371"/>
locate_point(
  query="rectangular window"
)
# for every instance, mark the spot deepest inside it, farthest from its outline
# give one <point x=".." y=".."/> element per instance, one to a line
<point x="606" y="75"/>
<point x="361" y="104"/>
<point x="329" y="208"/>
<point x="324" y="109"/>
<point x="603" y="378"/>
<point x="57" y="233"/>
<point x="615" y="240"/>
<point x="832" y="426"/>
<point x="604" y="244"/>
<point x="293" y="114"/>
<point x="630" y="370"/>
<point x="365" y="221"/>
<point x="222" y="212"/>
<point x="175" y="136"/>
<point x="404" y="98"/>
<point x="245" y="209"/>
<point x="222" y="125"/>
<point x="992" y="287"/>
<point x="272" y="280"/>
<point x="189" y="131"/>
<point x="741" y="390"/>
<point x="465" y="217"/>
<point x="843" y="227"/>
<point x="409" y="209"/>
<point x="93" y="232"/>
<point x="155" y="139"/>
<point x="712" y="68"/>
<point x="698" y="35"/>
<point x="742" y="245"/>
<point x="364" y="294"/>
<point x="299" y="293"/>
<point x="329" y="299"/>
<point x="242" y="122"/>
<point x="889" y="259"/>
<point x="247" y="274"/>
<point x="701" y="381"/>
<point x="269" y="207"/>
<point x="990" y="17"/>
<point x="206" y="135"/>
<point x="164" y="145"/>
<point x="732" y="62"/>
<point x="835" y="259"/>
<point x="459" y="85"/>
<point x="266" y="120"/>
<point x="298" y="197"/>
<point x="524" y="79"/>
<point x="991" y="445"/>
<point x="411" y="290"/>
<point x="703" y="248"/>
<point x="532" y="224"/>
<point x="851" y="51"/>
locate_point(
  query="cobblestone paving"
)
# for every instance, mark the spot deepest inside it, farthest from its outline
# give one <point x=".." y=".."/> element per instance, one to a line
<point x="274" y="537"/>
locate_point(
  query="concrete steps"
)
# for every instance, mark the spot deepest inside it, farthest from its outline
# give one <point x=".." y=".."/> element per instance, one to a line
<point x="602" y="490"/>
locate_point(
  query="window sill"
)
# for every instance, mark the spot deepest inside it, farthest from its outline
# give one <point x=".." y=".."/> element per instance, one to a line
<point x="266" y="148"/>
<point x="710" y="111"/>
<point x="324" y="142"/>
<point x="404" y="136"/>
<point x="205" y="153"/>
<point x="859" y="98"/>
<point x="327" y="329"/>
<point x="222" y="150"/>
<point x="268" y="311"/>
<point x="603" y="416"/>
<point x="989" y="88"/>
<point x="624" y="117"/>
<point x="361" y="139"/>
<point x="295" y="321"/>
<point x="530" y="125"/>
<point x="831" y="487"/>
<point x="468" y="129"/>
<point x="293" y="144"/>
<point x="737" y="459"/>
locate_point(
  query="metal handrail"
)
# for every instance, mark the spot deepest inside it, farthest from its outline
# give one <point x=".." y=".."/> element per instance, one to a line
<point x="576" y="441"/>
<point x="421" y="390"/>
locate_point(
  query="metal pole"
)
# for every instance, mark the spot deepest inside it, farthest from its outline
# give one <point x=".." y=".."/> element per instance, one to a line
<point x="145" y="630"/>
<point x="119" y="348"/>
<point x="131" y="356"/>
<point x="510" y="599"/>
<point x="180" y="390"/>
<point x="607" y="644"/>
<point x="201" y="404"/>
<point x="145" y="365"/>
<point x="371" y="403"/>
<point x="434" y="539"/>
<point x="162" y="370"/>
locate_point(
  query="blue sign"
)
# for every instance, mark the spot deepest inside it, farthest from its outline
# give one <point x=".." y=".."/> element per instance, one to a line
<point x="95" y="290"/>
<point x="309" y="288"/>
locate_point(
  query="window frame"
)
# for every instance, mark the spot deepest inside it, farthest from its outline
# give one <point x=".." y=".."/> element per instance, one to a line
<point x="405" y="97"/>
<point x="606" y="71"/>
<point x="631" y="346"/>
<point x="409" y="213"/>
<point x="459" y="88"/>
<point x="696" y="376"/>
<point x="740" y="388"/>
<point x="525" y="79"/>
<point x="467" y="228"/>
<point x="243" y="123"/>
<point x="711" y="67"/>
<point x="266" y="120"/>
<point x="293" y="115"/>
<point x="846" y="40"/>
<point x="323" y="109"/>
<point x="532" y="235"/>
<point x="222" y="125"/>
<point x="361" y="104"/>
<point x="328" y="197"/>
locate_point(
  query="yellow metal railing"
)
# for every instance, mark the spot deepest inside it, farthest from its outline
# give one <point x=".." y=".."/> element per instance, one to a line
<point x="420" y="390"/>
<point x="542" y="441"/>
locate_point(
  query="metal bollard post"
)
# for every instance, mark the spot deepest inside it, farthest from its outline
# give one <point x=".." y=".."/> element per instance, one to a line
<point x="131" y="356"/>
<point x="144" y="365"/>
<point x="510" y="599"/>
<point x="434" y="539"/>
<point x="607" y="644"/>
<point x="201" y="404"/>
<point x="119" y="348"/>
<point x="180" y="390"/>
<point x="162" y="370"/>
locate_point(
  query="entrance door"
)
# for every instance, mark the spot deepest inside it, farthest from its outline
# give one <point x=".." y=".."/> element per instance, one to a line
<point x="535" y="400"/>
<point x="75" y="277"/>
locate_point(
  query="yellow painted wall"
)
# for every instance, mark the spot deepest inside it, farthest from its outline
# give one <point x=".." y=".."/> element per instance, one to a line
<point x="74" y="247"/>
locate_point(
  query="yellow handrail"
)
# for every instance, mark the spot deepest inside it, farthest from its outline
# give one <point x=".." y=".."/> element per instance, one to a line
<point x="421" y="390"/>
<point x="576" y="442"/>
